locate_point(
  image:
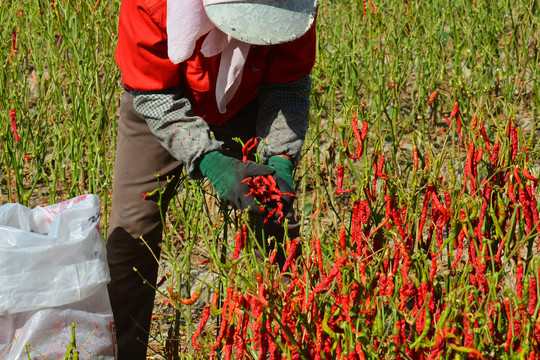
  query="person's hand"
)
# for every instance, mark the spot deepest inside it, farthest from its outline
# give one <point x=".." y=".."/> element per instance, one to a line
<point x="284" y="180"/>
<point x="226" y="175"/>
<point x="284" y="169"/>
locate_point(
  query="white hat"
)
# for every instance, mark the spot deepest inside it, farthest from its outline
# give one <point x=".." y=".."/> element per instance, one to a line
<point x="262" y="22"/>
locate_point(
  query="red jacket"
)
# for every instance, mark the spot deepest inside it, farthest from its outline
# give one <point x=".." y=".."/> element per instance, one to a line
<point x="141" y="54"/>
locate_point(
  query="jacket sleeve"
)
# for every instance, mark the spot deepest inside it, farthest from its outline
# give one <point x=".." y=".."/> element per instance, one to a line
<point x="283" y="118"/>
<point x="169" y="116"/>
<point x="284" y="97"/>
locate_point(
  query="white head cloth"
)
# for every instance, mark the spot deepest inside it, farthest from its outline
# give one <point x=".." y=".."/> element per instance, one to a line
<point x="186" y="23"/>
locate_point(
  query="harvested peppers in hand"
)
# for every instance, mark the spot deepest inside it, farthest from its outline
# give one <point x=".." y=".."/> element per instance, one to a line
<point x="266" y="193"/>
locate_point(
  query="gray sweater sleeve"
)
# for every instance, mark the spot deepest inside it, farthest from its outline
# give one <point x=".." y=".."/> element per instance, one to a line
<point x="283" y="118"/>
<point x="170" y="118"/>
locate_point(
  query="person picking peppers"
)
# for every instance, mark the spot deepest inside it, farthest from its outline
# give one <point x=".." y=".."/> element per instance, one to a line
<point x="196" y="74"/>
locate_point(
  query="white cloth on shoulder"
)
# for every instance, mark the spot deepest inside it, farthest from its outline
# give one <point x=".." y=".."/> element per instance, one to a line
<point x="187" y="22"/>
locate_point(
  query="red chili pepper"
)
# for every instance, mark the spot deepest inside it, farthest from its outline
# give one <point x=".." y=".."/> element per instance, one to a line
<point x="478" y="157"/>
<point x="423" y="216"/>
<point x="448" y="201"/>
<point x="400" y="325"/>
<point x="360" y="220"/>
<point x="432" y="98"/>
<point x="388" y="207"/>
<point x="240" y="241"/>
<point x="528" y="175"/>
<point x="241" y="335"/>
<point x="459" y="251"/>
<point x="229" y="342"/>
<point x="343" y="239"/>
<point x="362" y="271"/>
<point x="264" y="344"/>
<point x="372" y="7"/>
<point x="519" y="278"/>
<point x="433" y="269"/>
<point x="455" y="110"/>
<point x="318" y="252"/>
<point x="380" y="168"/>
<point x="340" y="175"/>
<point x="474" y="122"/>
<point x="14" y="41"/>
<point x="527" y="213"/>
<point x="364" y="8"/>
<point x="514" y="143"/>
<point x="514" y="140"/>
<point x="13" y="114"/>
<point x="455" y="114"/>
<point x="537" y="329"/>
<point x="485" y="137"/>
<point x="248" y="147"/>
<point x="272" y="257"/>
<point x="468" y="170"/>
<point x="468" y="334"/>
<point x="273" y="348"/>
<point x="495" y="155"/>
<point x="319" y="339"/>
<point x="486" y="196"/>
<point x="202" y="324"/>
<point x="533" y="295"/>
<point x="360" y="137"/>
<point x="426" y="168"/>
<point x="533" y="206"/>
<point x="442" y="215"/>
<point x="261" y="291"/>
<point x="291" y="255"/>
<point x="511" y="192"/>
<point x="331" y="275"/>
<point x="512" y="331"/>
<point x="215" y="298"/>
<point x="226" y="315"/>
<point x="188" y="301"/>
<point x="359" y="351"/>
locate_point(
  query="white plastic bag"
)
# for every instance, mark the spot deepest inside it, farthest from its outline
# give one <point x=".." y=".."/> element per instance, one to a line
<point x="53" y="272"/>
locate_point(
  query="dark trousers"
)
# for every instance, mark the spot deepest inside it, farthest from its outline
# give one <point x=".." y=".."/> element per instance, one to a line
<point x="139" y="157"/>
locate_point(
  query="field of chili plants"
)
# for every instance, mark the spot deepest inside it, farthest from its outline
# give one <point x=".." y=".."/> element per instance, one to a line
<point x="417" y="192"/>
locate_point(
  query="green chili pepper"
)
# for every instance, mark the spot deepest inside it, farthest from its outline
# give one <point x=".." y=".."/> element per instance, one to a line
<point x="462" y="349"/>
<point x="498" y="229"/>
<point x="501" y="205"/>
<point x="452" y="173"/>
<point x="474" y="213"/>
<point x="325" y="327"/>
<point x="378" y="328"/>
<point x="427" y="326"/>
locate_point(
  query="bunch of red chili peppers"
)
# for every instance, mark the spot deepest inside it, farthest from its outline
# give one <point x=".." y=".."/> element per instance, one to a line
<point x="264" y="189"/>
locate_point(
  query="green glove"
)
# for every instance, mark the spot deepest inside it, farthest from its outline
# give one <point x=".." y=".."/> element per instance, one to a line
<point x="284" y="169"/>
<point x="226" y="175"/>
<point x="284" y="180"/>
